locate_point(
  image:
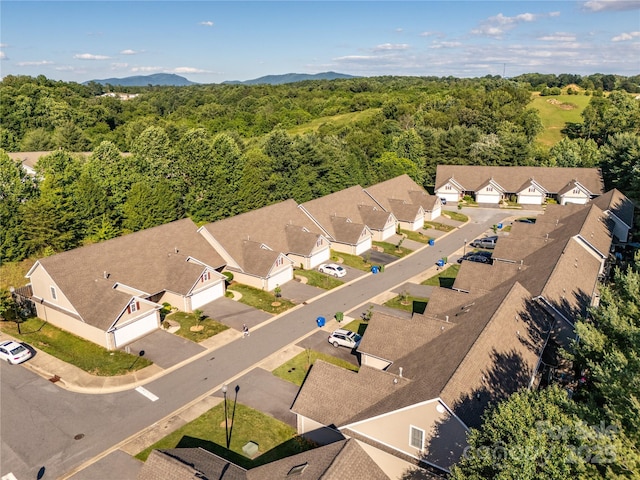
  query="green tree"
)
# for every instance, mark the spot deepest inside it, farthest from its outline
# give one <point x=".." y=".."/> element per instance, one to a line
<point x="150" y="205"/>
<point x="575" y="153"/>
<point x="621" y="163"/>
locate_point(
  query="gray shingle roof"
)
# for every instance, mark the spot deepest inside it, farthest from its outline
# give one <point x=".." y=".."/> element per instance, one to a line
<point x="553" y="179"/>
<point x="402" y="197"/>
<point x="618" y="204"/>
<point x="189" y="464"/>
<point x="345" y="204"/>
<point x="152" y="260"/>
<point x="282" y="227"/>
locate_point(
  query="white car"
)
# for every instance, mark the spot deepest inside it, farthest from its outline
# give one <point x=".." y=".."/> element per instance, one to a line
<point x="344" y="338"/>
<point x="332" y="269"/>
<point x="13" y="352"/>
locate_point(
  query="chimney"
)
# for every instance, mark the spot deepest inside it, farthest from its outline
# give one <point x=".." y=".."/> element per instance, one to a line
<point x="400" y="369"/>
<point x="105" y="274"/>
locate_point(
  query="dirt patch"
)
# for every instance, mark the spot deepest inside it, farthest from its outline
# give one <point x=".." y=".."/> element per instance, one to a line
<point x="562" y="105"/>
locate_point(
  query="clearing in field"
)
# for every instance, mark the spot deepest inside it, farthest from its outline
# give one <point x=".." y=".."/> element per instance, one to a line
<point x="555" y="111"/>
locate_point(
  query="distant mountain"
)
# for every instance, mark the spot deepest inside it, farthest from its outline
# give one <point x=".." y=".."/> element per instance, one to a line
<point x="291" y="78"/>
<point x="161" y="79"/>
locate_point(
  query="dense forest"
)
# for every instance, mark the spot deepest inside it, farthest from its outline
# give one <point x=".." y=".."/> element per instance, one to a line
<point x="211" y="151"/>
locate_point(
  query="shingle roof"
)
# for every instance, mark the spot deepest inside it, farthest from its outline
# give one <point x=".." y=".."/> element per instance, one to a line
<point x="340" y="460"/>
<point x="189" y="464"/>
<point x="553" y="179"/>
<point x="618" y="204"/>
<point x="345" y="204"/>
<point x="282" y="227"/>
<point x="401" y="196"/>
<point x="152" y="260"/>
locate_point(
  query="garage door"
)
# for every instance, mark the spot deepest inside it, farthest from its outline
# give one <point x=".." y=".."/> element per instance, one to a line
<point x="206" y="296"/>
<point x="487" y="198"/>
<point x="128" y="333"/>
<point x="280" y="278"/>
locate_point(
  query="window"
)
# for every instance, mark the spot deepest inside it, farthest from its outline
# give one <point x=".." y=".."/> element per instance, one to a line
<point x="576" y="191"/>
<point x="133" y="307"/>
<point x="279" y="262"/>
<point x="532" y="189"/>
<point x="416" y="437"/>
<point x="448" y="187"/>
<point x="54" y="294"/>
<point x="489" y="189"/>
<point x="297" y="470"/>
<point x="319" y="242"/>
<point x="205" y="276"/>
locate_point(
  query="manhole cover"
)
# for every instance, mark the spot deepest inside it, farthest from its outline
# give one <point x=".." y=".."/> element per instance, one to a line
<point x="79" y="436"/>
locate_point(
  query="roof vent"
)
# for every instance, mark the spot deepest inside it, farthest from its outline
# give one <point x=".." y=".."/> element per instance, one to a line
<point x="105" y="274"/>
<point x="175" y="249"/>
<point x="446" y="318"/>
<point x="400" y="369"/>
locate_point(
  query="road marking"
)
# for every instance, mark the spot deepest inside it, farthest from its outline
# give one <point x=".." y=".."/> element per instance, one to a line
<point x="146" y="393"/>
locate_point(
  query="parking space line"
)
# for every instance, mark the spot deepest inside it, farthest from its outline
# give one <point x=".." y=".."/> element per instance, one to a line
<point x="147" y="393"/>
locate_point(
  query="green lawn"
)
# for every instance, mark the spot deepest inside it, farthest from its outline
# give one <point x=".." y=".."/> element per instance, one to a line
<point x="416" y="236"/>
<point x="445" y="278"/>
<point x="442" y="227"/>
<point x="339" y="120"/>
<point x="295" y="370"/>
<point x="456" y="216"/>
<point x="260" y="299"/>
<point x="555" y="111"/>
<point x="210" y="326"/>
<point x="83" y="354"/>
<point x="353" y="261"/>
<point x="408" y="303"/>
<point x="321" y="280"/>
<point x="391" y="249"/>
<point x="275" y="439"/>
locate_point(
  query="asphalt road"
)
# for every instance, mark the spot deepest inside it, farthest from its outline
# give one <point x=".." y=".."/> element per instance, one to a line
<point x="44" y="426"/>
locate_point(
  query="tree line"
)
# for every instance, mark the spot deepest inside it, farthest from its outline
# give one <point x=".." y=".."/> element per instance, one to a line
<point x="213" y="151"/>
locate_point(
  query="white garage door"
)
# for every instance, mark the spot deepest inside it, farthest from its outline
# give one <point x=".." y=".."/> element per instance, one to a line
<point x="480" y="198"/>
<point x="530" y="199"/>
<point x="206" y="296"/>
<point x="280" y="278"/>
<point x="128" y="333"/>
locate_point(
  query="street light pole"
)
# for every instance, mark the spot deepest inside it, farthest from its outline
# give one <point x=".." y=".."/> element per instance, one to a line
<point x="464" y="250"/>
<point x="226" y="421"/>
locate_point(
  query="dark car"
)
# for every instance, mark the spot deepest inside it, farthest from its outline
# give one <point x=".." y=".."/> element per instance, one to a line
<point x="478" y="257"/>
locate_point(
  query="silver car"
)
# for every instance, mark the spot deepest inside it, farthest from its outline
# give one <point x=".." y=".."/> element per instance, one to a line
<point x="344" y="338"/>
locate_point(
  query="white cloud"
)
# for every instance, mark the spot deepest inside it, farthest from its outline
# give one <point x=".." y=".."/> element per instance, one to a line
<point x="188" y="70"/>
<point x="208" y="23"/>
<point x="497" y="25"/>
<point x="428" y="34"/>
<point x="399" y="30"/>
<point x="146" y="69"/>
<point x="388" y="47"/>
<point x="445" y="45"/>
<point x="128" y="51"/>
<point x="558" y="37"/>
<point x="611" y="5"/>
<point x="90" y="56"/>
<point x="35" y="64"/>
<point x="625" y="36"/>
<point x="4" y="45"/>
<point x="119" y="65"/>
<point x="3" y="55"/>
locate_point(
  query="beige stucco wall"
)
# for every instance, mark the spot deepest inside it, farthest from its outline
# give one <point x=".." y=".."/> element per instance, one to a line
<point x="445" y="436"/>
<point x="394" y="467"/>
<point x="175" y="300"/>
<point x="374" y="362"/>
<point x="41" y="284"/>
<point x="72" y="325"/>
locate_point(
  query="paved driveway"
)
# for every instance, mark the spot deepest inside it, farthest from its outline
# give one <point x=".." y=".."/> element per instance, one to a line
<point x="318" y="342"/>
<point x="235" y="314"/>
<point x="165" y="349"/>
<point x="263" y="391"/>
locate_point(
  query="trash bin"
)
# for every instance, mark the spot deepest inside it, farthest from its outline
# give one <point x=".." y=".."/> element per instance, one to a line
<point x="432" y="242"/>
<point x="440" y="263"/>
<point x="381" y="268"/>
<point x="499" y="225"/>
<point x="374" y="269"/>
<point x="339" y="316"/>
<point x="320" y="321"/>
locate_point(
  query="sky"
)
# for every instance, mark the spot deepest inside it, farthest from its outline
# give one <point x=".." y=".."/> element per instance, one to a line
<point x="212" y="42"/>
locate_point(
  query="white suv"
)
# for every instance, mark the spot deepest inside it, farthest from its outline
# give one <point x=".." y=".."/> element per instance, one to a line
<point x="344" y="338"/>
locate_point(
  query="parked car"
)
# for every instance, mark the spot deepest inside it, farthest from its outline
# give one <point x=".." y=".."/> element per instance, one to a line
<point x="332" y="269"/>
<point x="14" y="352"/>
<point x="486" y="242"/>
<point x="443" y="200"/>
<point x="526" y="220"/>
<point x="344" y="338"/>
<point x="478" y="257"/>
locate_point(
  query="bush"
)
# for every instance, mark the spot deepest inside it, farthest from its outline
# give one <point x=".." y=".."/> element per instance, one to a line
<point x="229" y="276"/>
